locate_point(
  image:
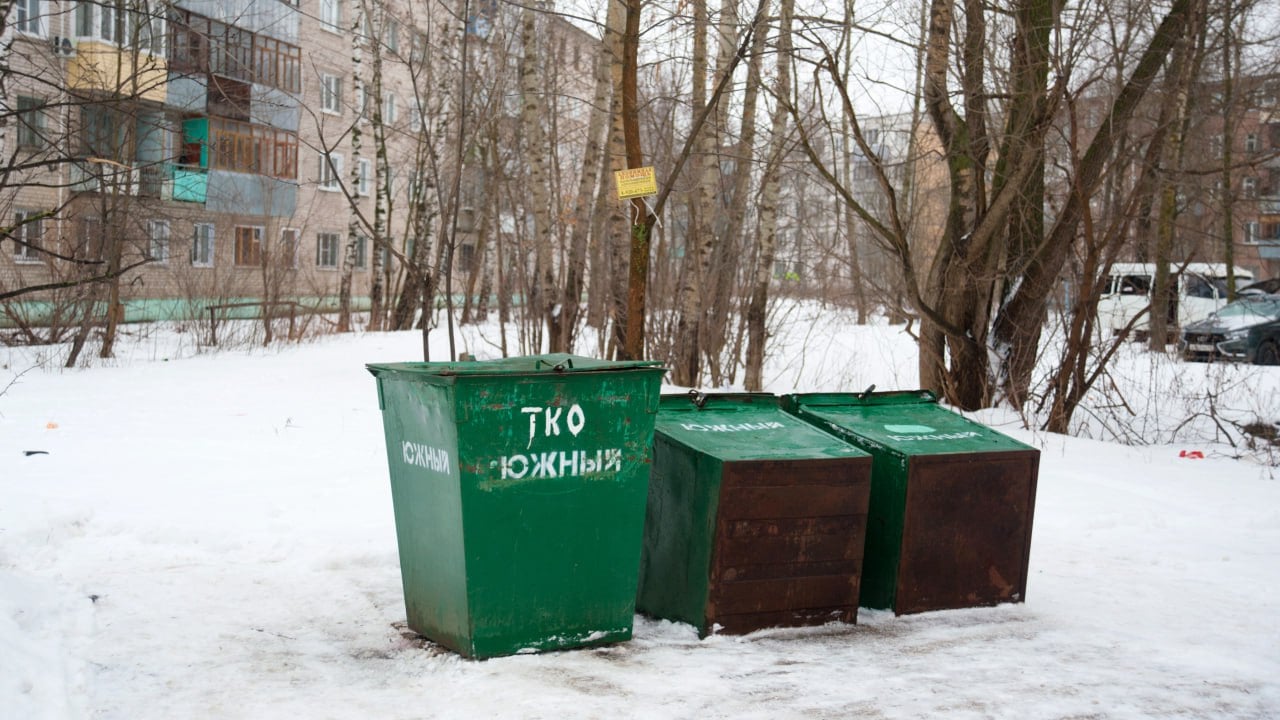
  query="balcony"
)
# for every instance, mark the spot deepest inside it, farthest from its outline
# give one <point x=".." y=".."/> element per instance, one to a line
<point x="161" y="181"/>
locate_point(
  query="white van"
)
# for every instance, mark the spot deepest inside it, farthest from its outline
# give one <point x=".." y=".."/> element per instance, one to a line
<point x="1202" y="289"/>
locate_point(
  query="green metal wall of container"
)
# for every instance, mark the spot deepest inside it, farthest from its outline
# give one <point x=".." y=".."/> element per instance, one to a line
<point x="952" y="501"/>
<point x="518" y="488"/>
<point x="755" y="518"/>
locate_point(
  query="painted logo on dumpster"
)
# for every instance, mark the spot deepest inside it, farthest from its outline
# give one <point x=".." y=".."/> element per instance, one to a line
<point x="560" y="463"/>
<point x="733" y="427"/>
<point x="909" y="433"/>
<point x="425" y="456"/>
<point x="548" y="422"/>
<point x="574" y="421"/>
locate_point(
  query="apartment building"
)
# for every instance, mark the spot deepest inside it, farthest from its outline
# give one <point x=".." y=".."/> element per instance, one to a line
<point x="229" y="150"/>
<point x="1227" y="178"/>
<point x="1252" y="180"/>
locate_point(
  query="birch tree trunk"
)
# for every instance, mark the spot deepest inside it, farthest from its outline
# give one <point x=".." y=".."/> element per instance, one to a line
<point x="353" y="222"/>
<point x="382" y="183"/>
<point x="581" y="229"/>
<point x="687" y="348"/>
<point x="744" y="164"/>
<point x="542" y="296"/>
<point x="725" y="253"/>
<point x="757" y="330"/>
<point x="616" y="236"/>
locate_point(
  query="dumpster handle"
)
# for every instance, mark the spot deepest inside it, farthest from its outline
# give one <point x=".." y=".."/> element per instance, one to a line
<point x="867" y="393"/>
<point x="697" y="398"/>
<point x="558" y="367"/>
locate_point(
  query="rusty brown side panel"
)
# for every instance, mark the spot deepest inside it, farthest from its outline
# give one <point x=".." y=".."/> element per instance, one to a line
<point x="966" y="538"/>
<point x="788" y="545"/>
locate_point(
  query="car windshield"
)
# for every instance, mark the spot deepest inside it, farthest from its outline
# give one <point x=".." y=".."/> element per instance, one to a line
<point x="1268" y="307"/>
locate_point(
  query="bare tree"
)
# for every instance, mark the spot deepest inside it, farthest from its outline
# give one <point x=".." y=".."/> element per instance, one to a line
<point x="767" y="242"/>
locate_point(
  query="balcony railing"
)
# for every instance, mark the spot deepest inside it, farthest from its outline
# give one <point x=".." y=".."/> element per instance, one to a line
<point x="151" y="180"/>
<point x="190" y="183"/>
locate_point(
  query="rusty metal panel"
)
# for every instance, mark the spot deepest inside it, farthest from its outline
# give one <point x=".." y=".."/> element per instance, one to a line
<point x="952" y="501"/>
<point x="794" y="593"/>
<point x="790" y="553"/>
<point x="789" y="501"/>
<point x="967" y="534"/>
<point x="740" y="624"/>
<point x="755" y="519"/>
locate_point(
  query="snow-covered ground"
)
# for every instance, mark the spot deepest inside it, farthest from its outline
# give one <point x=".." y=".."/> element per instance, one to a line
<point x="211" y="536"/>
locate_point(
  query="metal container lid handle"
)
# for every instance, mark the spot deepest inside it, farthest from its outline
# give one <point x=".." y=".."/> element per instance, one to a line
<point x="558" y="367"/>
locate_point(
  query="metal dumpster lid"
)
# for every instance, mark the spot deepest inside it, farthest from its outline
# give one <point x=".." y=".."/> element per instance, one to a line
<point x="892" y="397"/>
<point x="911" y="422"/>
<point x="745" y="426"/>
<point x="552" y="363"/>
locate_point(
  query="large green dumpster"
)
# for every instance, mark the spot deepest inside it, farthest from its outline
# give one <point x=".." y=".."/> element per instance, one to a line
<point x="951" y="500"/>
<point x="519" y="488"/>
<point x="755" y="518"/>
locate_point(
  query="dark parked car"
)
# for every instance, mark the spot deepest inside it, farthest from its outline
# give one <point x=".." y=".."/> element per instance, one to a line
<point x="1262" y="346"/>
<point x="1224" y="335"/>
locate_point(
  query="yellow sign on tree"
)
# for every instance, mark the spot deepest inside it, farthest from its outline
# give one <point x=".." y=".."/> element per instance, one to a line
<point x="636" y="182"/>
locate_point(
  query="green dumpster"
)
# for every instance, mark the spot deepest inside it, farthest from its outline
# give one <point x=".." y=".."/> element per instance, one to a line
<point x="519" y="489"/>
<point x="951" y="500"/>
<point x="755" y="518"/>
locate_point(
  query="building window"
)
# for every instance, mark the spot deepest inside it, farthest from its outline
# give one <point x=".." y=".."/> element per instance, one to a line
<point x="26" y="235"/>
<point x="248" y="245"/>
<point x="1251" y="230"/>
<point x="202" y="245"/>
<point x="146" y="32"/>
<point x="1251" y="144"/>
<point x="201" y="45"/>
<point x="327" y="250"/>
<point x="188" y="41"/>
<point x="277" y="63"/>
<point x="415" y="117"/>
<point x="84" y="19"/>
<point x="108" y="25"/>
<point x="1249" y="187"/>
<point x="331" y="94"/>
<point x="415" y="188"/>
<point x="330" y="172"/>
<point x="388" y="109"/>
<point x="158" y="245"/>
<point x="417" y="47"/>
<point x="331" y="15"/>
<point x="260" y="149"/>
<point x="112" y="23"/>
<point x="391" y="33"/>
<point x="362" y="252"/>
<point x="362" y="177"/>
<point x="30" y="122"/>
<point x="102" y="133"/>
<point x="28" y="20"/>
<point x="289" y="239"/>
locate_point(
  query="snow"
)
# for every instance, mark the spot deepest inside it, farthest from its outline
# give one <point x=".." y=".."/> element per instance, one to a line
<point x="211" y="536"/>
